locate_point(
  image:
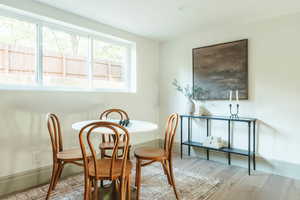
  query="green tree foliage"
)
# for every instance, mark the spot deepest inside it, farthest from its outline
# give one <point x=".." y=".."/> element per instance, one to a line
<point x="16" y="32"/>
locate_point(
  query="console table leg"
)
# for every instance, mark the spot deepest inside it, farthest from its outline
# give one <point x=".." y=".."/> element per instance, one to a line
<point x="181" y="136"/>
<point x="229" y="141"/>
<point x="189" y="135"/>
<point x="181" y="151"/>
<point x="207" y="134"/>
<point x="249" y="142"/>
<point x="254" y="161"/>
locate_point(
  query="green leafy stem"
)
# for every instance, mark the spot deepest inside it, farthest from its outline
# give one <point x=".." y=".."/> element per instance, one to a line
<point x="196" y="93"/>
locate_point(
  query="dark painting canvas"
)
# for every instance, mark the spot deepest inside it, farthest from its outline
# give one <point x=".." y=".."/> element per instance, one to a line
<point x="220" y="68"/>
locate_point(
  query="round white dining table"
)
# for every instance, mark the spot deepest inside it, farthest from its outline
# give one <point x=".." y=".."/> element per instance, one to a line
<point x="135" y="126"/>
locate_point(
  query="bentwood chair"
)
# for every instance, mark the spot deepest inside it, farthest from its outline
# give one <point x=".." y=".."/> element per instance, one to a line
<point x="60" y="156"/>
<point x="108" y="139"/>
<point x="116" y="169"/>
<point x="147" y="155"/>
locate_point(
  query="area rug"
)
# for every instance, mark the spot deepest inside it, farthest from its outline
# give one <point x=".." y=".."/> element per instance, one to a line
<point x="189" y="185"/>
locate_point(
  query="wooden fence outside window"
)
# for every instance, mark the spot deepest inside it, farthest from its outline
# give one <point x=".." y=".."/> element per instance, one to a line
<point x="16" y="59"/>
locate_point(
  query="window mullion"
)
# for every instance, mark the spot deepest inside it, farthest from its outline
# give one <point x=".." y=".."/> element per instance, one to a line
<point x="39" y="55"/>
<point x="127" y="69"/>
<point x="90" y="61"/>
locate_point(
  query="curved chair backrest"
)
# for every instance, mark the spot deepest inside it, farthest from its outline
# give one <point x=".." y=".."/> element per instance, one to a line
<point x="117" y="131"/>
<point x="122" y="113"/>
<point x="170" y="132"/>
<point x="55" y="133"/>
<point x="105" y="115"/>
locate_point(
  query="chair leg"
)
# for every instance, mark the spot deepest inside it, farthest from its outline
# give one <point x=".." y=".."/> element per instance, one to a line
<point x="165" y="168"/>
<point x="138" y="178"/>
<point x="123" y="187"/>
<point x="54" y="174"/>
<point x="169" y="163"/>
<point x="87" y="188"/>
<point x="102" y="157"/>
<point x="117" y="184"/>
<point x="58" y="175"/>
<point x="96" y="189"/>
<point x="102" y="153"/>
<point x="136" y="172"/>
<point x="129" y="187"/>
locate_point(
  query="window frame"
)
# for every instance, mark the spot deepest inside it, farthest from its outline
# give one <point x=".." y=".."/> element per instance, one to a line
<point x="91" y="35"/>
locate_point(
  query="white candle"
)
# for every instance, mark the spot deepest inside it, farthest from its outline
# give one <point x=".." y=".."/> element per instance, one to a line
<point x="230" y="96"/>
<point x="237" y="96"/>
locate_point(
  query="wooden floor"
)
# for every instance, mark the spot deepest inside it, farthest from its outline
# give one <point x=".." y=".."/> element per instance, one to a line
<point x="237" y="185"/>
<point x="235" y="182"/>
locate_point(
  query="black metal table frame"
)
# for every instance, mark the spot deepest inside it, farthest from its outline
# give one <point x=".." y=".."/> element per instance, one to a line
<point x="229" y="150"/>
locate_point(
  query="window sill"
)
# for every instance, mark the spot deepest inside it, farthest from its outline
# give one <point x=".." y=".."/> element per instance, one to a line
<point x="56" y="89"/>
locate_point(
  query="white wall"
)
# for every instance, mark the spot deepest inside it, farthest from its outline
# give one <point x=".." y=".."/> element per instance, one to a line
<point x="274" y="83"/>
<point x="24" y="140"/>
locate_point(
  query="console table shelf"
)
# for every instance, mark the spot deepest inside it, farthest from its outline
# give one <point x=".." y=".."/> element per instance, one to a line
<point x="223" y="149"/>
<point x="229" y="150"/>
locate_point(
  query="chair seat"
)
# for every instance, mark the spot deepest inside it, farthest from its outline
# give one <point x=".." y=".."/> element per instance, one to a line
<point x="70" y="154"/>
<point x="149" y="153"/>
<point x="104" y="167"/>
<point x="110" y="145"/>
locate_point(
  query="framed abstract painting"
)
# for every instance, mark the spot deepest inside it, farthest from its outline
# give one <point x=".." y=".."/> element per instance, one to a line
<point x="220" y="68"/>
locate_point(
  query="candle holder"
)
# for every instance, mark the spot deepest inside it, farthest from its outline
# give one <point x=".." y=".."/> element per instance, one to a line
<point x="236" y="114"/>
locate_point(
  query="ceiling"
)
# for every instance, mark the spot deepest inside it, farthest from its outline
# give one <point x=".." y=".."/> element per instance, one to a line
<point x="166" y="19"/>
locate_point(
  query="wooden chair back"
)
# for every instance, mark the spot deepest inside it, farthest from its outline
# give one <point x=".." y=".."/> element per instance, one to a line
<point x="170" y="132"/>
<point x="117" y="131"/>
<point x="55" y="133"/>
<point x="105" y="115"/>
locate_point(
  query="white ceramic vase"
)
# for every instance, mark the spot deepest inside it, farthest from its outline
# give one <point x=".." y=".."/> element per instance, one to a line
<point x="200" y="109"/>
<point x="190" y="107"/>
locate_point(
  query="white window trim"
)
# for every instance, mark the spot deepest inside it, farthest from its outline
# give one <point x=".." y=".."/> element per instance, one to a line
<point x="40" y="21"/>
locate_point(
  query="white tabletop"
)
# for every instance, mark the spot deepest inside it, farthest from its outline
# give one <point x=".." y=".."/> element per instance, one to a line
<point x="133" y="127"/>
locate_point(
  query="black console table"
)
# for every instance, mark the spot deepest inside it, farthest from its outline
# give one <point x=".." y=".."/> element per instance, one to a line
<point x="229" y="150"/>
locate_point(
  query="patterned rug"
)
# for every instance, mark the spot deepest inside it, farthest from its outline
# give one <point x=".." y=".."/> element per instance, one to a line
<point x="189" y="185"/>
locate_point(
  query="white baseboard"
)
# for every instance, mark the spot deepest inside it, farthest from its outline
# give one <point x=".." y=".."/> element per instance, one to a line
<point x="32" y="178"/>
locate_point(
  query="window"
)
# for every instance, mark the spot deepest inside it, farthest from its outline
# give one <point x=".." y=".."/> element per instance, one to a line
<point x="65" y="58"/>
<point x="43" y="55"/>
<point x="109" y="65"/>
<point x="17" y="52"/>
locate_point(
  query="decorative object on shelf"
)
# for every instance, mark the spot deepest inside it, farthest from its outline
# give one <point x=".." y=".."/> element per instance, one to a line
<point x="190" y="106"/>
<point x="213" y="142"/>
<point x="195" y="96"/>
<point x="201" y="109"/>
<point x="236" y="113"/>
<point x="222" y="67"/>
